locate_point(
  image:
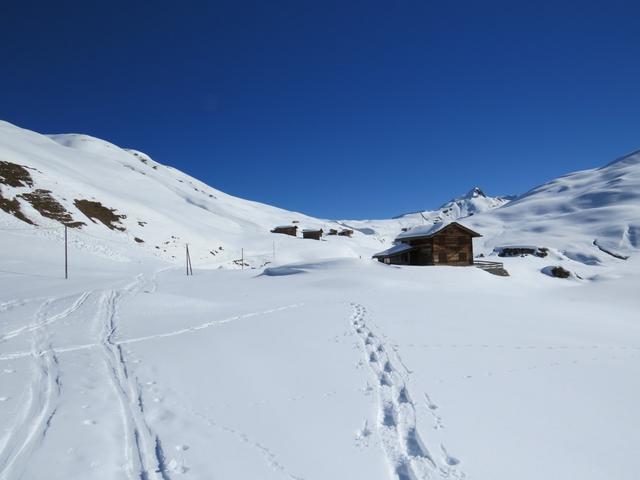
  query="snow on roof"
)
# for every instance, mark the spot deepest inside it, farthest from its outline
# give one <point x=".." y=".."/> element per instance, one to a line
<point x="396" y="249"/>
<point x="286" y="226"/>
<point x="424" y="230"/>
<point x="312" y="230"/>
<point x="429" y="230"/>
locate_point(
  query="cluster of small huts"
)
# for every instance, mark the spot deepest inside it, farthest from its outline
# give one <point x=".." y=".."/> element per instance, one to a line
<point x="312" y="233"/>
<point x="438" y="244"/>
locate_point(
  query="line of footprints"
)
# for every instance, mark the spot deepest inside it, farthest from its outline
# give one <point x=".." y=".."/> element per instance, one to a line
<point x="407" y="454"/>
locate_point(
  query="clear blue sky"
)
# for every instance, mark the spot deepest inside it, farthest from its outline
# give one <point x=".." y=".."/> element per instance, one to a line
<point x="345" y="109"/>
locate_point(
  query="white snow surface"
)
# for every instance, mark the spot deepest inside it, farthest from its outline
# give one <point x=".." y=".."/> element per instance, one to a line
<point x="323" y="363"/>
<point x="163" y="206"/>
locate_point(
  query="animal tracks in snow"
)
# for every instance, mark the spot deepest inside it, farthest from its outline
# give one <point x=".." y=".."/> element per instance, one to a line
<point x="267" y="454"/>
<point x="407" y="454"/>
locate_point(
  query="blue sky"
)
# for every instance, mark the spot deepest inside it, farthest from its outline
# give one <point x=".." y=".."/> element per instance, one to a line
<point x="357" y="109"/>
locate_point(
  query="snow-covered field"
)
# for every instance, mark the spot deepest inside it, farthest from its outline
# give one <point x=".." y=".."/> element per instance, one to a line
<point x="335" y="369"/>
<point x="322" y="364"/>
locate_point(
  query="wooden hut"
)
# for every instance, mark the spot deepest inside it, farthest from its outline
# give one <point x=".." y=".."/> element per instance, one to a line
<point x="313" y="234"/>
<point x="332" y="231"/>
<point x="440" y="244"/>
<point x="286" y="230"/>
<point x="346" y="232"/>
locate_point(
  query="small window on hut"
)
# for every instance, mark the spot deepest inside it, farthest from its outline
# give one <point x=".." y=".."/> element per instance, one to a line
<point x="462" y="257"/>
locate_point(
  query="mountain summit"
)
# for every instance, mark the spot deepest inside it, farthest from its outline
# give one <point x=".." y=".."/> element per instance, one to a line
<point x="474" y="201"/>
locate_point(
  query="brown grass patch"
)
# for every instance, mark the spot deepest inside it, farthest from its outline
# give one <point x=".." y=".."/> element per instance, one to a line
<point x="12" y="207"/>
<point x="96" y="211"/>
<point x="14" y="175"/>
<point x="48" y="207"/>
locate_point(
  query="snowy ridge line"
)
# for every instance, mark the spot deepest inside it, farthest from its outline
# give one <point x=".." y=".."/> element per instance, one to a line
<point x="29" y="431"/>
<point x="407" y="454"/>
<point x="46" y="321"/>
<point x="213" y="323"/>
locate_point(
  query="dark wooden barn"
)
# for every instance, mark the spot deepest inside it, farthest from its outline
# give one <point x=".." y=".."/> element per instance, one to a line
<point x="441" y="244"/>
<point x="313" y="234"/>
<point x="286" y="230"/>
<point x="346" y="232"/>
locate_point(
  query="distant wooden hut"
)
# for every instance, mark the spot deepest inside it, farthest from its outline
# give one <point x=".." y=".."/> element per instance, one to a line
<point x="440" y="244"/>
<point x="332" y="231"/>
<point x="286" y="230"/>
<point x="313" y="234"/>
<point x="346" y="232"/>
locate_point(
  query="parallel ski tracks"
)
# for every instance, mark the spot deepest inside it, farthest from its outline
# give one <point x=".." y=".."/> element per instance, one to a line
<point x="43" y="320"/>
<point x="36" y="417"/>
<point x="143" y="456"/>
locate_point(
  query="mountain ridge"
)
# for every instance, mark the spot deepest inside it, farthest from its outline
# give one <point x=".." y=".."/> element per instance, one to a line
<point x="133" y="205"/>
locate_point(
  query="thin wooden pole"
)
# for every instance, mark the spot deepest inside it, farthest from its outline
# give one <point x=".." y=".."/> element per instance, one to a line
<point x="189" y="261"/>
<point x="66" y="262"/>
<point x="186" y="258"/>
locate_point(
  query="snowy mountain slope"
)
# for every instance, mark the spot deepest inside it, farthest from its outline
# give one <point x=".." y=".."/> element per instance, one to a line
<point x="582" y="214"/>
<point x="124" y="205"/>
<point x="140" y="207"/>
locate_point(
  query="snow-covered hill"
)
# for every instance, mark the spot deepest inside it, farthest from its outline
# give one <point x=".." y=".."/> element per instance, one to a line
<point x="310" y="368"/>
<point x="124" y="205"/>
<point x="592" y="216"/>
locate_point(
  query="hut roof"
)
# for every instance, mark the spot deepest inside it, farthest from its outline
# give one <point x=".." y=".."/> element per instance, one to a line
<point x="395" y="250"/>
<point x="427" y="231"/>
<point x="312" y="230"/>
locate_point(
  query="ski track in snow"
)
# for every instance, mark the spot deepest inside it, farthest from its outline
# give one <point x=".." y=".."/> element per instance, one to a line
<point x="182" y="331"/>
<point x="407" y="455"/>
<point x="44" y="321"/>
<point x="30" y="429"/>
<point x="11" y="304"/>
<point x="143" y="451"/>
